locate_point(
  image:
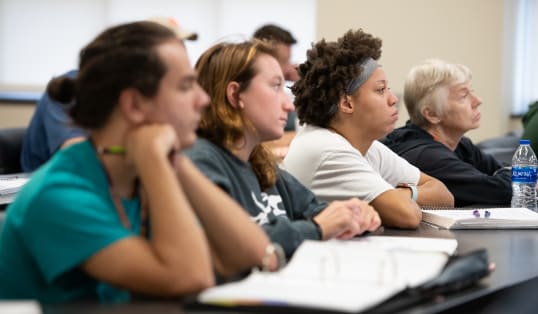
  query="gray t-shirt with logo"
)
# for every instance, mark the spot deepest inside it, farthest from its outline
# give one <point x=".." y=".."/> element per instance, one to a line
<point x="282" y="210"/>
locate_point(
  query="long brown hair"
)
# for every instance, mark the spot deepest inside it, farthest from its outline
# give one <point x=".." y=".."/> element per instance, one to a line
<point x="222" y="123"/>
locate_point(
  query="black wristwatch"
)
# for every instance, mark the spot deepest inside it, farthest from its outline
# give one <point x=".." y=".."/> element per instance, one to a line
<point x="318" y="228"/>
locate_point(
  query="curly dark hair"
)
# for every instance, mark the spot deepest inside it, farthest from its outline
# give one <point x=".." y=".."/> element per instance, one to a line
<point x="327" y="71"/>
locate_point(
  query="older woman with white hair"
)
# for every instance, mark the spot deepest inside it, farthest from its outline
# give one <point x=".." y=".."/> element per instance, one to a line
<point x="442" y="107"/>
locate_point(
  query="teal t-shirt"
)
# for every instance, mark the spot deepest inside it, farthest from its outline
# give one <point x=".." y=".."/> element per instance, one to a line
<point x="63" y="216"/>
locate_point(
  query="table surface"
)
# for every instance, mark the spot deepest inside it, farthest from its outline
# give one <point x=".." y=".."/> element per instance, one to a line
<point x="515" y="253"/>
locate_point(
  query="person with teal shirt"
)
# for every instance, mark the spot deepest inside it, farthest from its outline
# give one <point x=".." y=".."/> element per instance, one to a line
<point x="125" y="211"/>
<point x="51" y="242"/>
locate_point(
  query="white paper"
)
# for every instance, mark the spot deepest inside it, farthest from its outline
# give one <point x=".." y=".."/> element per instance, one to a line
<point x="12" y="183"/>
<point x="20" y="307"/>
<point x="413" y="243"/>
<point x="347" y="276"/>
<point x="501" y="218"/>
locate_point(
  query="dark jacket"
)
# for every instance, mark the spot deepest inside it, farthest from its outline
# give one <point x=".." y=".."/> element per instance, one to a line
<point x="467" y="172"/>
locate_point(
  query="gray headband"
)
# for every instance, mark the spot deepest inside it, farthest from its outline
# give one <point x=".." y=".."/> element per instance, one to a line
<point x="368" y="67"/>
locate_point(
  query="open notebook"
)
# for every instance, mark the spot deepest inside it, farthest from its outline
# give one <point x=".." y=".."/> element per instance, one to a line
<point x="347" y="276"/>
<point x="481" y="218"/>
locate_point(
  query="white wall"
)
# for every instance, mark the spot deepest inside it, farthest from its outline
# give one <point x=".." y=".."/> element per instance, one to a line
<point x="216" y="20"/>
<point x="40" y="39"/>
<point x="462" y="31"/>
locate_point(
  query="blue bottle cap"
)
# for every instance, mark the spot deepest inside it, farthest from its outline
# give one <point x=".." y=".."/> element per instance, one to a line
<point x="523" y="142"/>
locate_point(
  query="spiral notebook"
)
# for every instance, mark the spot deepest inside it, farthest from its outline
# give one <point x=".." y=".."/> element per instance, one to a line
<point x="344" y="276"/>
<point x="481" y="218"/>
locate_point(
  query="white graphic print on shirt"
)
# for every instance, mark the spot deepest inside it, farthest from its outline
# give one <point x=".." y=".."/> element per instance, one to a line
<point x="268" y="204"/>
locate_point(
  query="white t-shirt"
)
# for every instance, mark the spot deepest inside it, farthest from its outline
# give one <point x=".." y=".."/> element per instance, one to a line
<point x="326" y="162"/>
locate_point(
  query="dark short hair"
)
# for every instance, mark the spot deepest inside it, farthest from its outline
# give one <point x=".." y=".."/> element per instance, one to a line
<point x="121" y="57"/>
<point x="328" y="69"/>
<point x="275" y="33"/>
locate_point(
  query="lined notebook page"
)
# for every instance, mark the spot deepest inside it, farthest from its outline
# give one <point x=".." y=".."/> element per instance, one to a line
<point x="348" y="276"/>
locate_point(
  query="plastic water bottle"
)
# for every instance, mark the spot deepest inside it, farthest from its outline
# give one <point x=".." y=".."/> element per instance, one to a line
<point x="524" y="166"/>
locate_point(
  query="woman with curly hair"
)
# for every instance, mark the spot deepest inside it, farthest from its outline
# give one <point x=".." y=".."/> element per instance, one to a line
<point x="248" y="107"/>
<point x="344" y="100"/>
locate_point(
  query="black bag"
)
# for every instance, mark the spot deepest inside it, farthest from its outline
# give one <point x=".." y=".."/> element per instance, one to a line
<point x="461" y="271"/>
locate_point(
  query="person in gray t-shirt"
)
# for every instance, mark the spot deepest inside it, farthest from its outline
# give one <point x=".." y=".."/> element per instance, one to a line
<point x="249" y="106"/>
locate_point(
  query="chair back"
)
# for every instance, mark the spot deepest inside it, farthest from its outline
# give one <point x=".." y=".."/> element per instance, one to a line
<point x="10" y="149"/>
<point x="501" y="148"/>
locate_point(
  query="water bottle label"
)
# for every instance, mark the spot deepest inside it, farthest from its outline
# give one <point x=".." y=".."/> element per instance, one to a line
<point x="524" y="174"/>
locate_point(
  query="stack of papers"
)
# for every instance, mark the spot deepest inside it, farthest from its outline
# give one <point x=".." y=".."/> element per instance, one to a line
<point x="482" y="218"/>
<point x="348" y="276"/>
<point x="10" y="185"/>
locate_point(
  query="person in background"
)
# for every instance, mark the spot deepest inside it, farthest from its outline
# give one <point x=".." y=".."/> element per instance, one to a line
<point x="442" y="107"/>
<point x="530" y="126"/>
<point x="51" y="128"/>
<point x="344" y="100"/>
<point x="282" y="40"/>
<point x="125" y="211"/>
<point x="248" y="107"/>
